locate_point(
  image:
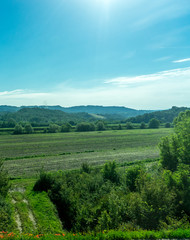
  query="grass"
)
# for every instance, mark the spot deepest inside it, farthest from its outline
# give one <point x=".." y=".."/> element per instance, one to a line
<point x="25" y="155"/>
<point x="27" y="204"/>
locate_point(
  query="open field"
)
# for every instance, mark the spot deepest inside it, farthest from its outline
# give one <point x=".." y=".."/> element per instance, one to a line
<point x="25" y="155"/>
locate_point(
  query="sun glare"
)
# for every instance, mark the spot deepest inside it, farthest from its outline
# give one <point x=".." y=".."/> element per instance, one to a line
<point x="106" y="3"/>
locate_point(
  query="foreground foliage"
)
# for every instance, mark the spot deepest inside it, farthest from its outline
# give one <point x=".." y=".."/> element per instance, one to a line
<point x="137" y="198"/>
<point x="140" y="198"/>
<point x="111" y="235"/>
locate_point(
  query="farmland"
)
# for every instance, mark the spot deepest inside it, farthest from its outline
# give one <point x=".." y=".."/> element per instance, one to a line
<point x="25" y="155"/>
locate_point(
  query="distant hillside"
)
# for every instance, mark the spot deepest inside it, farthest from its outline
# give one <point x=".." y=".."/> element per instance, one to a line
<point x="102" y="110"/>
<point x="111" y="112"/>
<point x="5" y="108"/>
<point x="163" y="116"/>
<point x="42" y="116"/>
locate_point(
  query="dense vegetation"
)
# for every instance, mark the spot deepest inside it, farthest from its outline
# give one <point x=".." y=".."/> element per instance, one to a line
<point x="109" y="112"/>
<point x="153" y="198"/>
<point x="140" y="197"/>
<point x="5" y="208"/>
<point x="41" y="119"/>
<point x="40" y="116"/>
<point x="163" y="116"/>
<point x="111" y="199"/>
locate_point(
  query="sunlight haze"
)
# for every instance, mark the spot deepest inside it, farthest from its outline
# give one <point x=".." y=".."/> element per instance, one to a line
<point x="102" y="52"/>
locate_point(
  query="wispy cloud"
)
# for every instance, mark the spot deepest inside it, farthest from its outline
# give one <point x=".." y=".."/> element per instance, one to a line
<point x="160" y="76"/>
<point x="152" y="91"/>
<point x="11" y="93"/>
<point x="162" y="59"/>
<point x="182" y="60"/>
<point x="159" y="11"/>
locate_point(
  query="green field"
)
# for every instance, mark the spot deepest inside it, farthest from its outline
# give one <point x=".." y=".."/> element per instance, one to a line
<point x="25" y="155"/>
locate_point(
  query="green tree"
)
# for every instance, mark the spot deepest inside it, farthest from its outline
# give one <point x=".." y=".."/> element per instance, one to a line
<point x="182" y="130"/>
<point x="18" y="129"/>
<point x="132" y="175"/>
<point x="154" y="123"/>
<point x="143" y="125"/>
<point x="28" y="128"/>
<point x="176" y="148"/>
<point x="169" y="155"/>
<point x="100" y="126"/>
<point x="152" y="204"/>
<point x="85" y="127"/>
<point x="129" y="125"/>
<point x="110" y="172"/>
<point x="66" y="127"/>
<point x="53" y="128"/>
<point x="11" y="123"/>
<point x="168" y="125"/>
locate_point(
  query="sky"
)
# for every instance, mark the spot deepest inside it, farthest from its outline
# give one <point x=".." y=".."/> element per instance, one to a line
<point x="132" y="53"/>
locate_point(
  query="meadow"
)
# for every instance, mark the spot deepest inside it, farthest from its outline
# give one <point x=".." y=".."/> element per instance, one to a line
<point x="25" y="155"/>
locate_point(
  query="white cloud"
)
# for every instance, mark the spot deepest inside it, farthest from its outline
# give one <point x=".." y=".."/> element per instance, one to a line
<point x="182" y="60"/>
<point x="155" y="91"/>
<point x="160" y="76"/>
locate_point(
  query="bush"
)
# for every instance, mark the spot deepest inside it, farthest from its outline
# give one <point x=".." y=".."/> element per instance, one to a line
<point x="53" y="128"/>
<point x="110" y="173"/>
<point x="132" y="175"/>
<point x="5" y="214"/>
<point x="28" y="128"/>
<point x="100" y="126"/>
<point x="176" y="149"/>
<point x="18" y="129"/>
<point x="5" y="209"/>
<point x="66" y="127"/>
<point x="4" y="181"/>
<point x="129" y="125"/>
<point x="85" y="167"/>
<point x="168" y="125"/>
<point x="85" y="127"/>
<point x="154" y="123"/>
<point x="143" y="125"/>
<point x="44" y="183"/>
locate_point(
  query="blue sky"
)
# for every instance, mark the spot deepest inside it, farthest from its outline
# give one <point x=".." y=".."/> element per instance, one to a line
<point x="133" y="53"/>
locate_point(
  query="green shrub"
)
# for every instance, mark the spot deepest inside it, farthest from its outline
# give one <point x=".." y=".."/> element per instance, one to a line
<point x="44" y="183"/>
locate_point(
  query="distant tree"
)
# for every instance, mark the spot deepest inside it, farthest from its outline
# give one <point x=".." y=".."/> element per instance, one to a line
<point x="28" y="128"/>
<point x="154" y="123"/>
<point x="143" y="125"/>
<point x="66" y="127"/>
<point x="11" y="123"/>
<point x="100" y="126"/>
<point x="129" y="125"/>
<point x="119" y="127"/>
<point x="72" y="123"/>
<point x="167" y="125"/>
<point x="53" y="128"/>
<point x="18" y="129"/>
<point x="85" y="127"/>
